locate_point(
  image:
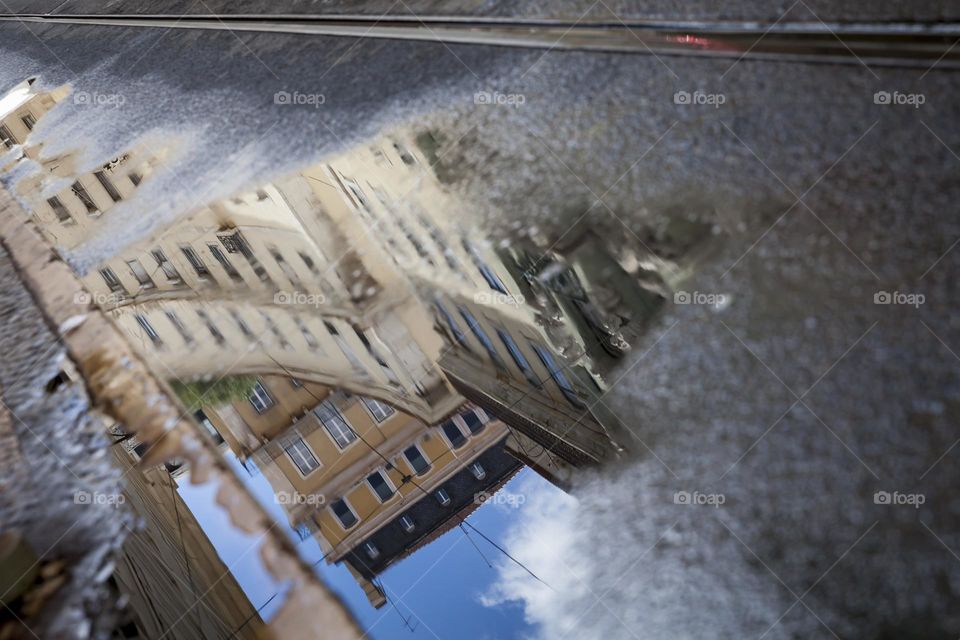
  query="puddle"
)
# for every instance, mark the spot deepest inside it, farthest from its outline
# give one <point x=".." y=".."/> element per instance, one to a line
<point x="482" y="363"/>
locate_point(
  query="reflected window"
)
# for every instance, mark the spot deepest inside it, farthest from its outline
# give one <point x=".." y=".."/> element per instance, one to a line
<point x="454" y="328"/>
<point x="344" y="346"/>
<point x="559" y="377"/>
<point x="474" y="421"/>
<point x="242" y="324"/>
<point x="379" y="410"/>
<point x="84" y="197"/>
<point x="453" y="433"/>
<point x="212" y="328"/>
<point x="404" y="154"/>
<point x="6" y="138"/>
<point x="111" y="279"/>
<point x="148" y="328"/>
<point x="416" y="459"/>
<point x="407" y="523"/>
<point x="380" y="485"/>
<point x="491" y="277"/>
<point x="284" y="266"/>
<point x="107" y="185"/>
<point x="136" y="268"/>
<point x="302" y="456"/>
<point x="371" y="550"/>
<point x="275" y="330"/>
<point x="179" y="326"/>
<point x="308" y="261"/>
<point x="478" y="471"/>
<point x="235" y="243"/>
<point x="166" y="266"/>
<point x="28" y="121"/>
<point x="308" y="336"/>
<point x="194" y="261"/>
<point x="493" y="281"/>
<point x="344" y="513"/>
<point x="385" y="368"/>
<point x="224" y="261"/>
<point x="59" y="210"/>
<point x="260" y="398"/>
<point x="356" y="192"/>
<point x="482" y="336"/>
<point x="518" y="357"/>
<point x="335" y="424"/>
<point x="442" y="497"/>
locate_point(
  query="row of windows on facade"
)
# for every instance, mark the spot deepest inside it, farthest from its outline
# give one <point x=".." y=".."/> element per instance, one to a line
<point x="6" y="136"/>
<point x="233" y="243"/>
<point x="340" y="430"/>
<point x="218" y="336"/>
<point x="345" y="514"/>
<point x="488" y="274"/>
<point x="332" y="420"/>
<point x="309" y="338"/>
<point x="516" y="353"/>
<point x="356" y="195"/>
<point x="80" y="192"/>
<point x="343" y="434"/>
<point x="348" y="518"/>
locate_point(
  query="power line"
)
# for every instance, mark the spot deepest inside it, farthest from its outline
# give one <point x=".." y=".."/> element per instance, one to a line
<point x="410" y="479"/>
<point x="466" y="533"/>
<point x="406" y="621"/>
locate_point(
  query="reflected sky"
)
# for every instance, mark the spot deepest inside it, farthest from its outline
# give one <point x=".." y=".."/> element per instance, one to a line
<point x="446" y="589"/>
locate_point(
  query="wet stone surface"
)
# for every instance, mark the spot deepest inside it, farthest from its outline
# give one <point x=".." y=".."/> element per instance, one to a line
<point x="763" y="290"/>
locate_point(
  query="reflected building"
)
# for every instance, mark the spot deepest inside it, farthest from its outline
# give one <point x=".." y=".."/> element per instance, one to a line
<point x="174" y="579"/>
<point x="67" y="216"/>
<point x="257" y="285"/>
<point x="20" y="111"/>
<point x="362" y="274"/>
<point x="405" y="367"/>
<point x="369" y="482"/>
<point x="344" y="281"/>
<point x="509" y="345"/>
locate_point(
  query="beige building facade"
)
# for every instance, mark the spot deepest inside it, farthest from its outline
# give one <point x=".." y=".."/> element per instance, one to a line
<point x="344" y="465"/>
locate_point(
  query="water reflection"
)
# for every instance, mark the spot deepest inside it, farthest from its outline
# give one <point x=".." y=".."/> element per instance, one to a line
<point x="348" y="336"/>
<point x="772" y="404"/>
